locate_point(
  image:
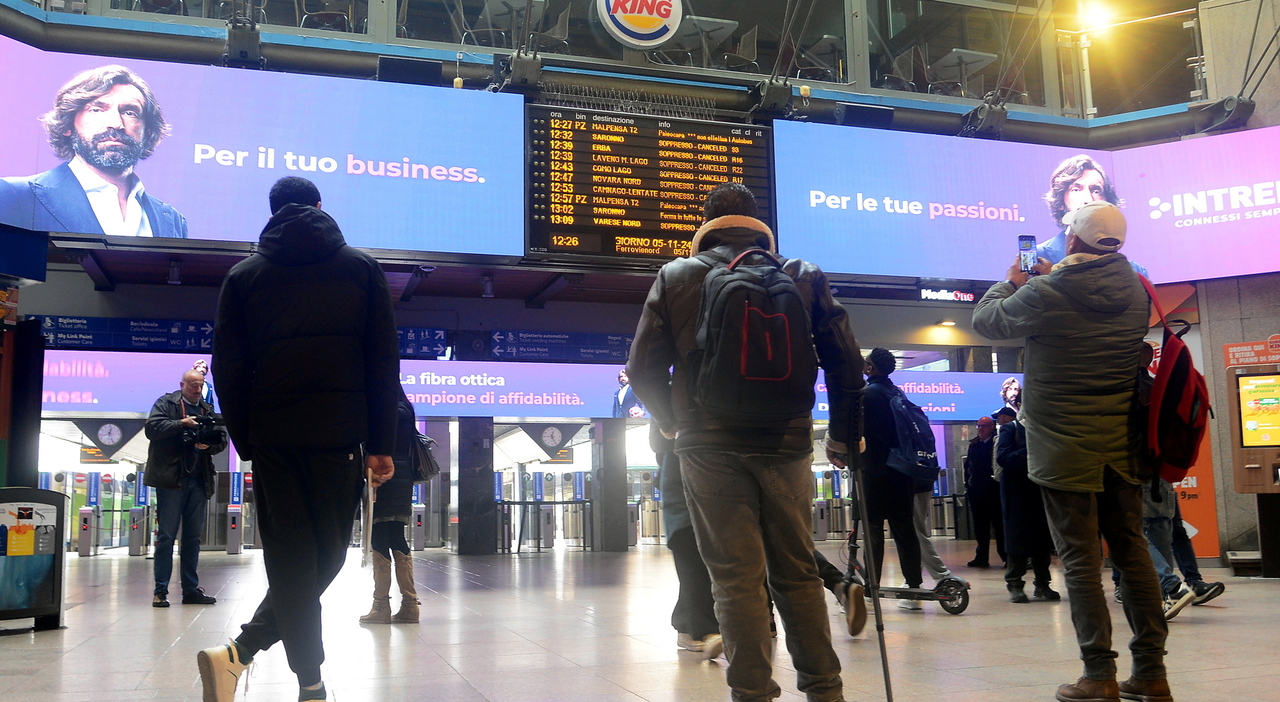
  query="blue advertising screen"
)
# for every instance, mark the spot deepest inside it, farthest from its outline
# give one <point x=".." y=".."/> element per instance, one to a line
<point x="398" y="166"/>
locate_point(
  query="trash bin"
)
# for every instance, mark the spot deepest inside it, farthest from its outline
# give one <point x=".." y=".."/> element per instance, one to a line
<point x="32" y="531"/>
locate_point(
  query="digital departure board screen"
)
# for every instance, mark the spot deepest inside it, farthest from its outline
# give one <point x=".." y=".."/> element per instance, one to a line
<point x="620" y="185"/>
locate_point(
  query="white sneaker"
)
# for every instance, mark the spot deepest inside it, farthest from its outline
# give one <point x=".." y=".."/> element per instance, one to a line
<point x="220" y="669"/>
<point x="1177" y="602"/>
<point x="910" y="605"/>
<point x="709" y="647"/>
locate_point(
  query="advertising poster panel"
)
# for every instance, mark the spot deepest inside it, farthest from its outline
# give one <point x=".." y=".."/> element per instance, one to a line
<point x="877" y="202"/>
<point x="398" y="166"/>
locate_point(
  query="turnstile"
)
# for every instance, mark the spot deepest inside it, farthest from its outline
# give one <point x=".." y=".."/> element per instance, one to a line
<point x="138" y="531"/>
<point x="87" y="532"/>
<point x="418" y="527"/>
<point x="821" y="517"/>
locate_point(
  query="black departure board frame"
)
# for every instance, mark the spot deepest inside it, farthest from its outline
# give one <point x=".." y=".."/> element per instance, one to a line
<point x="629" y="188"/>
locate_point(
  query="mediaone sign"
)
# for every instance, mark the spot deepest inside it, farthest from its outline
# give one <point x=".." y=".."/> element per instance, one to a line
<point x="947" y="295"/>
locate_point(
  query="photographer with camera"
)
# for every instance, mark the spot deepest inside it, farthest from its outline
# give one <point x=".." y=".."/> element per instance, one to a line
<point x="184" y="435"/>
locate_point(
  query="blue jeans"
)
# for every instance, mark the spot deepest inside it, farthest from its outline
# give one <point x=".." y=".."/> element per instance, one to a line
<point x="753" y="518"/>
<point x="183" y="507"/>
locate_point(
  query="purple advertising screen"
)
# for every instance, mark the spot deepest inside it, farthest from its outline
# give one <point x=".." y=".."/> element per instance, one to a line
<point x="877" y="202"/>
<point x="129" y="381"/>
<point x="398" y="166"/>
<point x="1204" y="208"/>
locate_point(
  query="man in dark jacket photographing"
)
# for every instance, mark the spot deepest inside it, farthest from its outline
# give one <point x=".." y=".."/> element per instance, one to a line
<point x="180" y="468"/>
<point x="746" y="464"/>
<point x="307" y="362"/>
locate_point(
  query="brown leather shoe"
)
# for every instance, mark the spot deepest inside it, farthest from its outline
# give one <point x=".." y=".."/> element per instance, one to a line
<point x="1145" y="690"/>
<point x="1087" y="690"/>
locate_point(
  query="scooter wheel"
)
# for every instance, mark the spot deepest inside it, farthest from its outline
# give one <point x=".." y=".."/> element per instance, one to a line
<point x="953" y="595"/>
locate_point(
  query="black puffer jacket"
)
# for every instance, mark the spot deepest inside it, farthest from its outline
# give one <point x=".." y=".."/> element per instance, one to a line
<point x="668" y="325"/>
<point x="395" y="497"/>
<point x="305" y="348"/>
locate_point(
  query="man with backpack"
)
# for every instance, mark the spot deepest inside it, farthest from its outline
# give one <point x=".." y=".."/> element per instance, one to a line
<point x="745" y="332"/>
<point x="890" y="492"/>
<point x="1084" y="321"/>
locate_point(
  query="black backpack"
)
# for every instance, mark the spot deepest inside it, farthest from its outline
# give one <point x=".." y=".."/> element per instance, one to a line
<point x="753" y="361"/>
<point x="915" y="455"/>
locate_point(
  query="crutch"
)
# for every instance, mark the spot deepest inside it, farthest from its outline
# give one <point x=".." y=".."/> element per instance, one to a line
<point x="869" y="567"/>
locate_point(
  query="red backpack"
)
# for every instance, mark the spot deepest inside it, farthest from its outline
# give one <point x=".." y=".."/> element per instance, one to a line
<point x="1178" y="413"/>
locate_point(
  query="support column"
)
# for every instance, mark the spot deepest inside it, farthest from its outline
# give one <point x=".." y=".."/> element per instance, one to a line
<point x="609" y="484"/>
<point x="476" y="531"/>
<point x="1269" y="533"/>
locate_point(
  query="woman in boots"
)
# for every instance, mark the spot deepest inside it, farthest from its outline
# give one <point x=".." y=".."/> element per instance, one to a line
<point x="391" y="513"/>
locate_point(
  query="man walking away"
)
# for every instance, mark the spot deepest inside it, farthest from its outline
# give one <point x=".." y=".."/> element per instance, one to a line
<point x="746" y="450"/>
<point x="180" y="468"/>
<point x="308" y="301"/>
<point x="1084" y="321"/>
<point x="983" y="493"/>
<point x="890" y="493"/>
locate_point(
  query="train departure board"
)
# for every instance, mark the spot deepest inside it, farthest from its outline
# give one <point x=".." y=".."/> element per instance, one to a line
<point x="631" y="186"/>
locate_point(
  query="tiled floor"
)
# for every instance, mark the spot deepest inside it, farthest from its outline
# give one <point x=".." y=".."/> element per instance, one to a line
<point x="573" y="626"/>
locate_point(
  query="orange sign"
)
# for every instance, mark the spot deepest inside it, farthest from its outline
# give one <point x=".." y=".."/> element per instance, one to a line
<point x="1199" y="505"/>
<point x="1253" y="353"/>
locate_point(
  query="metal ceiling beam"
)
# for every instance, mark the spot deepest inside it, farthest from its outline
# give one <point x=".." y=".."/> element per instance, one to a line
<point x="539" y="299"/>
<point x="102" y="281"/>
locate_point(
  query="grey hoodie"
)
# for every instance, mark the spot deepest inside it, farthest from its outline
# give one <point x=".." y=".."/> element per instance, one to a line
<point x="1084" y="324"/>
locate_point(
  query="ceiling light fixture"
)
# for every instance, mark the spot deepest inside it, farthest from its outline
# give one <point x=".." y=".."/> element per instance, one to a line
<point x="486" y="286"/>
<point x="946" y="323"/>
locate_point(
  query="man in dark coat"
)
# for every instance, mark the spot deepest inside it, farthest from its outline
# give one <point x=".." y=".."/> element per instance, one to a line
<point x="308" y="365"/>
<point x="1026" y="530"/>
<point x="983" y="493"/>
<point x="180" y="469"/>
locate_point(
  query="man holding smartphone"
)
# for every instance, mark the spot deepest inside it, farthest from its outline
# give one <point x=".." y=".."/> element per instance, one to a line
<point x="1084" y="321"/>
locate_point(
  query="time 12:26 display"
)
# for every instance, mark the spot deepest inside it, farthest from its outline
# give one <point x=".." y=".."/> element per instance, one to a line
<point x="620" y="185"/>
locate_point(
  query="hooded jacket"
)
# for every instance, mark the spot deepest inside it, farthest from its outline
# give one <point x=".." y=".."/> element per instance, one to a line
<point x="666" y="332"/>
<point x="1084" y="324"/>
<point x="305" y="348"/>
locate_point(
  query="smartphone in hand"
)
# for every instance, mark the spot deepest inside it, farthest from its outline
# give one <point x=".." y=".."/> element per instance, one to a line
<point x="1027" y="258"/>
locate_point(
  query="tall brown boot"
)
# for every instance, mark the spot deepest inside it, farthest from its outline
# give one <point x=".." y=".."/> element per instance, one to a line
<point x="408" y="613"/>
<point x="381" y="611"/>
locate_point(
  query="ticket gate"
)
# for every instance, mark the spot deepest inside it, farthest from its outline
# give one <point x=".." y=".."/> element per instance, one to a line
<point x="234" y="514"/>
<point x="418" y="527"/>
<point x="633" y="523"/>
<point x="821" y="518"/>
<point x="87" y="532"/>
<point x="138" y="531"/>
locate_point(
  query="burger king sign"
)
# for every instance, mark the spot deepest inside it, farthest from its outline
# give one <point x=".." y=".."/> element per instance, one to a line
<point x="640" y="24"/>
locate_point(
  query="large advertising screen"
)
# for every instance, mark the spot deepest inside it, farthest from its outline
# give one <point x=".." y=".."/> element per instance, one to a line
<point x="878" y="202"/>
<point x="98" y="145"/>
<point x="1259" y="410"/>
<point x="90" y="382"/>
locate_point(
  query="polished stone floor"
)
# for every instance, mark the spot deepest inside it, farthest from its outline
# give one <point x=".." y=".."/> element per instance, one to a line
<point x="571" y="626"/>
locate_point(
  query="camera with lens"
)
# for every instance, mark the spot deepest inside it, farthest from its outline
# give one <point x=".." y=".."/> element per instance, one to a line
<point x="208" y="430"/>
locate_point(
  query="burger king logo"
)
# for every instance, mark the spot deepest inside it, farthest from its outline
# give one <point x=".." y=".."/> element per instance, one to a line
<point x="640" y="24"/>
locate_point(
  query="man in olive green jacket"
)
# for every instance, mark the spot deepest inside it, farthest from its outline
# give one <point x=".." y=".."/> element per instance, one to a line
<point x="1084" y="321"/>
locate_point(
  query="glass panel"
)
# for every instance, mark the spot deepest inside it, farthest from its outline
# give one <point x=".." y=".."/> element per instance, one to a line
<point x="349" y="16"/>
<point x="948" y="49"/>
<point x="732" y="35"/>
